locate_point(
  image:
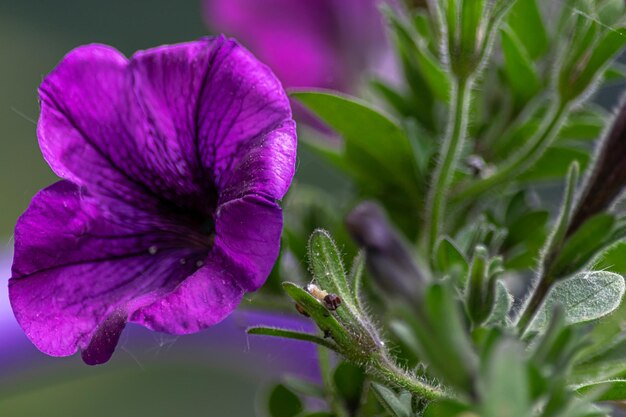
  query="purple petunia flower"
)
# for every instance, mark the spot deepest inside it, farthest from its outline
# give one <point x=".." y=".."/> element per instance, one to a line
<point x="173" y="162"/>
<point x="308" y="43"/>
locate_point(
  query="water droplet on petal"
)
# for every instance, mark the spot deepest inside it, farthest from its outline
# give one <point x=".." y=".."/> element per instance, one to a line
<point x="152" y="250"/>
<point x="199" y="263"/>
<point x="183" y="261"/>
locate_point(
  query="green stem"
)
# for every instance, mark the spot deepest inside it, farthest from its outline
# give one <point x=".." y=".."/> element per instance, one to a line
<point x="533" y="304"/>
<point x="552" y="248"/>
<point x="388" y="373"/>
<point x="290" y="334"/>
<point x="523" y="160"/>
<point x="448" y="157"/>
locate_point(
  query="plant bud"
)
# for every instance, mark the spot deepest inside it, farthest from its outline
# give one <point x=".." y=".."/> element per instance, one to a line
<point x="608" y="175"/>
<point x="387" y="255"/>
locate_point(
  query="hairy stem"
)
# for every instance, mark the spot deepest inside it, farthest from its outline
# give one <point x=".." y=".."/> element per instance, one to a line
<point x="390" y="374"/>
<point x="552" y="248"/>
<point x="448" y="157"/>
<point x="533" y="304"/>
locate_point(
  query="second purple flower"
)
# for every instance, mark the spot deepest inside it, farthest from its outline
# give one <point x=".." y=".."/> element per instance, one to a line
<point x="172" y="165"/>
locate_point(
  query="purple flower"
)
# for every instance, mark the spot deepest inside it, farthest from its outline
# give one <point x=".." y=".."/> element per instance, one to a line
<point x="173" y="162"/>
<point x="308" y="43"/>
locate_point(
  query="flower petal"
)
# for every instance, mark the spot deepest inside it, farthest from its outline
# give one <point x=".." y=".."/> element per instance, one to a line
<point x="202" y="300"/>
<point x="266" y="167"/>
<point x="248" y="230"/>
<point x="246" y="247"/>
<point x="73" y="268"/>
<point x="87" y="125"/>
<point x="212" y="99"/>
<point x="104" y="341"/>
<point x="166" y="125"/>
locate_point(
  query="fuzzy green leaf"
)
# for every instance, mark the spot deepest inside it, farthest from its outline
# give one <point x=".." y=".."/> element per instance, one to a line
<point x="585" y="297"/>
<point x="328" y="271"/>
<point x="319" y="314"/>
<point x="605" y="391"/>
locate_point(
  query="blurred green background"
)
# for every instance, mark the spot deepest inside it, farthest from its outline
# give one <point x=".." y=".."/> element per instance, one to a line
<point x="215" y="374"/>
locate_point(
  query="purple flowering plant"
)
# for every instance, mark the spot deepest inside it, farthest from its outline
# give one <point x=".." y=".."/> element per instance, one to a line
<point x="172" y="165"/>
<point x="472" y="292"/>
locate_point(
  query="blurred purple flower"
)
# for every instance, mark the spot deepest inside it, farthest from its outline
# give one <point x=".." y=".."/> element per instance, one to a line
<point x="308" y="43"/>
<point x="173" y="162"/>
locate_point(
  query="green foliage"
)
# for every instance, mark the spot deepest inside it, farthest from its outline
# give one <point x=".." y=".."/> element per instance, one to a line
<point x="493" y="114"/>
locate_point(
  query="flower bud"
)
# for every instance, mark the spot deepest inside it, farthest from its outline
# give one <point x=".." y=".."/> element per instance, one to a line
<point x="608" y="175"/>
<point x="387" y="257"/>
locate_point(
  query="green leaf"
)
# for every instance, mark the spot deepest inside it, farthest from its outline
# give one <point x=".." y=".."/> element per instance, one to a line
<point x="594" y="45"/>
<point x="393" y="97"/>
<point x="328" y="271"/>
<point x="582" y="245"/>
<point x="447" y="408"/>
<point x="290" y="334"/>
<point x="554" y="163"/>
<point x="472" y="13"/>
<point x="319" y="314"/>
<point x="448" y="349"/>
<point x="356" y="278"/>
<point x="613" y="259"/>
<point x="516" y="208"/>
<point x="607" y="359"/>
<point x="583" y="125"/>
<point x="405" y="335"/>
<point x="525" y="226"/>
<point x="605" y="391"/>
<point x="427" y="64"/>
<point x="616" y="72"/>
<point x="449" y="257"/>
<point x="373" y="144"/>
<point x="327" y="266"/>
<point x="476" y="287"/>
<point x="316" y="414"/>
<point x="604" y="50"/>
<point x="392" y="402"/>
<point x="502" y="305"/>
<point x="584" y="297"/>
<point x="526" y="21"/>
<point x="506" y="387"/>
<point x="436" y="77"/>
<point x="283" y="403"/>
<point x="518" y="67"/>
<point x="349" y="380"/>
